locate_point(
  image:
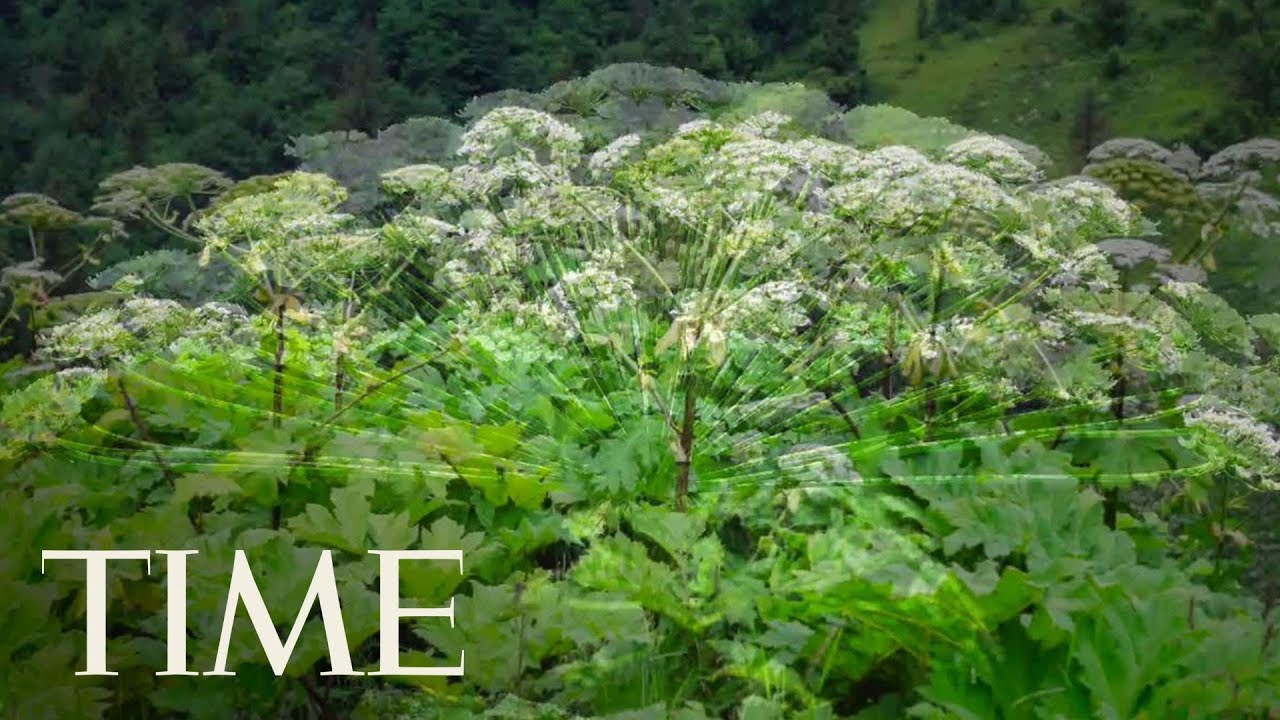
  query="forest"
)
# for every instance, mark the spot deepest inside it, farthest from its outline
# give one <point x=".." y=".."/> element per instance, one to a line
<point x="93" y="88"/>
<point x="751" y="378"/>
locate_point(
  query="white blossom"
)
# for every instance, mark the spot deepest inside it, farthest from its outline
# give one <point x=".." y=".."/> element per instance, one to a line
<point x="1235" y="159"/>
<point x="429" y="182"/>
<point x="928" y="197"/>
<point x="1258" y="441"/>
<point x="694" y="126"/>
<point x="528" y="134"/>
<point x="611" y="156"/>
<point x="764" y="125"/>
<point x="1076" y="203"/>
<point x="993" y="158"/>
<point x="1125" y="147"/>
<point x="599" y="283"/>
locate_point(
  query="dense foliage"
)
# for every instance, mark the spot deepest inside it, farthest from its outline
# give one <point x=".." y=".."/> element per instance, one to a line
<point x="739" y="405"/>
<point x="93" y="88"/>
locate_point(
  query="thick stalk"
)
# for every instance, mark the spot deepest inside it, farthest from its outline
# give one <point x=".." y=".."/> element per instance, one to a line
<point x="930" y="409"/>
<point x="319" y="701"/>
<point x="339" y="380"/>
<point x="375" y="387"/>
<point x="340" y="364"/>
<point x="1220" y="543"/>
<point x="1268" y="621"/>
<point x="890" y="358"/>
<point x="136" y="418"/>
<point x="684" y="441"/>
<point x="277" y="400"/>
<point x="935" y="316"/>
<point x="277" y="394"/>
<point x="1111" y="497"/>
<point x="830" y="395"/>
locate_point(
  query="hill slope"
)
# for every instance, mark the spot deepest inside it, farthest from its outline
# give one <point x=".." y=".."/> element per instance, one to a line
<point x="1030" y="78"/>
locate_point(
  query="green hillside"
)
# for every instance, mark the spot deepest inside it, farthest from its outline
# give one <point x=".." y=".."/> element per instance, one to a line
<point x="1030" y="78"/>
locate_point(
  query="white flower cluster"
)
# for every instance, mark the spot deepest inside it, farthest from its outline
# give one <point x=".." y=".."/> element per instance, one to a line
<point x="94" y="336"/>
<point x="1109" y="321"/>
<point x="1084" y="265"/>
<point x="266" y="226"/>
<point x="925" y="199"/>
<point x="744" y="170"/>
<point x="764" y="125"/>
<point x="599" y="283"/>
<point x="479" y="251"/>
<point x="1033" y="154"/>
<point x="748" y="236"/>
<point x="1184" y="160"/>
<point x="1087" y="208"/>
<point x="492" y="251"/>
<point x="887" y="163"/>
<point x="611" y="156"/>
<point x="1258" y="211"/>
<point x="1125" y="147"/>
<point x="29" y="272"/>
<point x="756" y="164"/>
<point x="1256" y="440"/>
<point x="429" y="182"/>
<point x="1156" y="337"/>
<point x="1231" y="161"/>
<point x="478" y="181"/>
<point x="948" y="336"/>
<point x="144" y="314"/>
<point x="691" y="209"/>
<point x="337" y="252"/>
<point x="555" y="314"/>
<point x="558" y="206"/>
<point x="831" y="160"/>
<point x="994" y="158"/>
<point x="529" y="134"/>
<point x="1248" y="198"/>
<point x="1183" y="290"/>
<point x="693" y="127"/>
<point x="818" y="465"/>
<point x="139" y="325"/>
<point x="771" y="310"/>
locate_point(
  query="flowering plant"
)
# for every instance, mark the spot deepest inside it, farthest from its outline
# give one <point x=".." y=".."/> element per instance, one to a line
<point x="783" y="424"/>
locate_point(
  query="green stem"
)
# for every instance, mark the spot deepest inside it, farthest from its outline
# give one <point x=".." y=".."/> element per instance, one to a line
<point x="1111" y="497"/>
<point x="684" y="446"/>
<point x="1220" y="548"/>
<point x="136" y="418"/>
<point x="277" y="399"/>
<point x="277" y="395"/>
<point x="340" y="366"/>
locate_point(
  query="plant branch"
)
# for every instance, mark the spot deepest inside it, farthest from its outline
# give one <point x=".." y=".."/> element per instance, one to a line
<point x="136" y="418"/>
<point x="684" y="442"/>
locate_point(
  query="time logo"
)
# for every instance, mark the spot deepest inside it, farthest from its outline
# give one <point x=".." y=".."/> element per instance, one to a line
<point x="243" y="590"/>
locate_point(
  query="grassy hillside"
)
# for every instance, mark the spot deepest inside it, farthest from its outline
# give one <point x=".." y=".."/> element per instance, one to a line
<point x="1029" y="79"/>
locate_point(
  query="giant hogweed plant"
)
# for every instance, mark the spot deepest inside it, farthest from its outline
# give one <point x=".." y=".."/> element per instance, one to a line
<point x="731" y="421"/>
<point x="1227" y="204"/>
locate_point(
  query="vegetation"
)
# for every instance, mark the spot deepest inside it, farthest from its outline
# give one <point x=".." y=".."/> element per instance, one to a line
<point x="1174" y="71"/>
<point x="739" y="404"/>
<point x="93" y="89"/>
